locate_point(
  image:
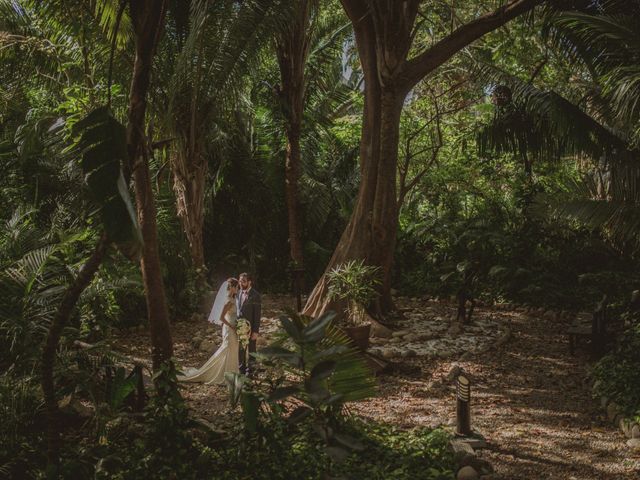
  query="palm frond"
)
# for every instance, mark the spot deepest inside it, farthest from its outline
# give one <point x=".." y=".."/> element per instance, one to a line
<point x="606" y="40"/>
<point x="543" y="123"/>
<point x="352" y="377"/>
<point x="604" y="200"/>
<point x="31" y="289"/>
<point x="223" y="44"/>
<point x="106" y="12"/>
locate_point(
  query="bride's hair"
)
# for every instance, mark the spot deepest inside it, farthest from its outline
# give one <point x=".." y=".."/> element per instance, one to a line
<point x="232" y="282"/>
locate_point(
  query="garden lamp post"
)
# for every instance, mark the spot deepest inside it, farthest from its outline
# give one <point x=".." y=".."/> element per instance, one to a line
<point x="463" y="408"/>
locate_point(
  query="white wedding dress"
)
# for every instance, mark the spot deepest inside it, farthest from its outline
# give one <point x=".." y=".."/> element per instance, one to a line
<point x="224" y="360"/>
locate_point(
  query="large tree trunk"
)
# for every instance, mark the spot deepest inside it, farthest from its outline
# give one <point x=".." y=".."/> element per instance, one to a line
<point x="69" y="300"/>
<point x="292" y="48"/>
<point x="371" y="232"/>
<point x="148" y="18"/>
<point x="384" y="34"/>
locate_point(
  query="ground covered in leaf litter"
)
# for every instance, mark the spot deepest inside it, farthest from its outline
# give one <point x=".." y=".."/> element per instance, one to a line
<point x="531" y="399"/>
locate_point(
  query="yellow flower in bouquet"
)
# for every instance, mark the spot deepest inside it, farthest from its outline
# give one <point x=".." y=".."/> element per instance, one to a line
<point x="244" y="331"/>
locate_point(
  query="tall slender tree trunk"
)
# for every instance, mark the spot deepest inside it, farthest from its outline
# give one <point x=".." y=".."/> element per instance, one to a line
<point x="189" y="168"/>
<point x="69" y="300"/>
<point x="148" y="18"/>
<point x="292" y="179"/>
<point x="292" y="49"/>
<point x="189" y="182"/>
<point x="384" y="33"/>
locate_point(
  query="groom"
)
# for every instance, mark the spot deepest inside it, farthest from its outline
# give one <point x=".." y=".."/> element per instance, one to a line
<point x="249" y="307"/>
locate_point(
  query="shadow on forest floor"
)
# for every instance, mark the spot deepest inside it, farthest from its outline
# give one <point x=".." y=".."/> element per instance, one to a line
<point x="530" y="400"/>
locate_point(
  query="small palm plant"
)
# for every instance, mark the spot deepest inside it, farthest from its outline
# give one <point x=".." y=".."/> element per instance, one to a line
<point x="355" y="283"/>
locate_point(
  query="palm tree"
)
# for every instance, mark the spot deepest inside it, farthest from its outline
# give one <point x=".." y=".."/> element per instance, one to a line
<point x="292" y="50"/>
<point x="310" y="35"/>
<point x="543" y="124"/>
<point x="223" y="43"/>
<point x="606" y="41"/>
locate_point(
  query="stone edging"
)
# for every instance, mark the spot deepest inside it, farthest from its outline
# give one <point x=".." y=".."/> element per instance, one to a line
<point x="630" y="428"/>
<point x="468" y="465"/>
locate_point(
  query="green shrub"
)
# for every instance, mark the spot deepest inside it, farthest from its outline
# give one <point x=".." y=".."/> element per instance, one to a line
<point x="22" y="427"/>
<point x="157" y="444"/>
<point x="420" y="454"/>
<point x="296" y="420"/>
<point x="389" y="452"/>
<point x="618" y="373"/>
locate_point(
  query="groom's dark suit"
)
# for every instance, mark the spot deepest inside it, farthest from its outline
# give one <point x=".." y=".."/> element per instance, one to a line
<point x="249" y="307"/>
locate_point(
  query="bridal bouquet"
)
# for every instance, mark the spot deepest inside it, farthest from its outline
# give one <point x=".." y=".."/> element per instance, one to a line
<point x="244" y="331"/>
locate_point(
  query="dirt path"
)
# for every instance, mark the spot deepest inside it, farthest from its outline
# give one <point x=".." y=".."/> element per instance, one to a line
<point x="530" y="400"/>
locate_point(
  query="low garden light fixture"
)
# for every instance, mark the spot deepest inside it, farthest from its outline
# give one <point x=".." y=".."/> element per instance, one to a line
<point x="463" y="406"/>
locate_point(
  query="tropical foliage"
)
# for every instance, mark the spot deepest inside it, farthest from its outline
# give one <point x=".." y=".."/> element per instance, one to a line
<point x="507" y="170"/>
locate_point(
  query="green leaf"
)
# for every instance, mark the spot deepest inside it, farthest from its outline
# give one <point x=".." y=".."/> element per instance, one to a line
<point x="102" y="181"/>
<point x="108" y="465"/>
<point x="463" y="266"/>
<point x="124" y="233"/>
<point x="292" y="330"/>
<point x="121" y="388"/>
<point x="103" y="144"/>
<point x="497" y="270"/>
<point x="322" y="370"/>
<point x="328" y="352"/>
<point x="316" y="329"/>
<point x="447" y="276"/>
<point x="250" y="404"/>
<point x="299" y="414"/>
<point x="282" y="393"/>
<point x="273" y="352"/>
<point x="317" y="392"/>
<point x="349" y="442"/>
<point x="324" y="431"/>
<point x="236" y="383"/>
<point x="93" y="137"/>
<point x="335" y="398"/>
<point x="95" y="116"/>
<point x="337" y="454"/>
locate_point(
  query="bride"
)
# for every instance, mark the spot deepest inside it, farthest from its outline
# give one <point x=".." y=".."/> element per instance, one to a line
<point x="225" y="359"/>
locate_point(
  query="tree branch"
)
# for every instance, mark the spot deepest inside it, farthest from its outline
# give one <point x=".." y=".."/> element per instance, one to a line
<point x="538" y="69"/>
<point x="420" y="66"/>
<point x="355" y="9"/>
<point x="68" y="303"/>
<point x="405" y="187"/>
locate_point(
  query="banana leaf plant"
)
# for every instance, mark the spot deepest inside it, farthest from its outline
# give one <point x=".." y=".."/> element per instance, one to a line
<point x="102" y="142"/>
<point x="100" y="139"/>
<point x="317" y="373"/>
